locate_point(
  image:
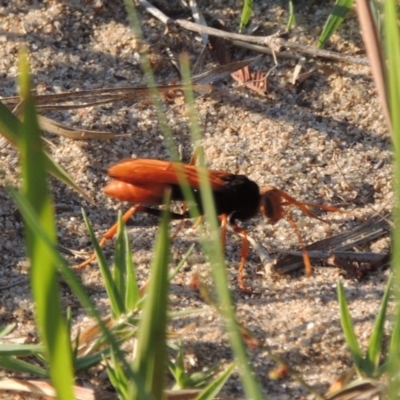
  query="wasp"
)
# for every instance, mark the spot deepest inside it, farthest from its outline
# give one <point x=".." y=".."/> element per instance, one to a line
<point x="237" y="198"/>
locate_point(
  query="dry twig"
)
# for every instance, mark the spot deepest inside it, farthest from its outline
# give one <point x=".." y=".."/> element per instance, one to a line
<point x="374" y="228"/>
<point x="273" y="42"/>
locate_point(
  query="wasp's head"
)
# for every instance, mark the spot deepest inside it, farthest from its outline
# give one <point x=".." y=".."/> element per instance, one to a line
<point x="271" y="205"/>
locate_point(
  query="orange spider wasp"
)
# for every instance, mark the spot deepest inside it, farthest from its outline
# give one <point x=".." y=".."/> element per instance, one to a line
<point x="237" y="198"/>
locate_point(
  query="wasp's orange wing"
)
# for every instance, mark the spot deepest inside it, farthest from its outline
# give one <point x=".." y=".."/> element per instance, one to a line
<point x="150" y="194"/>
<point x="149" y="173"/>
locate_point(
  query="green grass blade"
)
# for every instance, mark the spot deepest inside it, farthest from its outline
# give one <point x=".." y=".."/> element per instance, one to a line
<point x="177" y="369"/>
<point x="213" y="248"/>
<point x="31" y="219"/>
<point x="118" y="377"/>
<point x="394" y="357"/>
<point x="348" y="329"/>
<point x="51" y="324"/>
<point x="246" y="14"/>
<point x="132" y="295"/>
<point x="58" y="172"/>
<point x="119" y="264"/>
<point x="376" y="14"/>
<point x="21" y="366"/>
<point x="21" y="350"/>
<point x="392" y="47"/>
<point x="335" y="19"/>
<point x="86" y="362"/>
<point x="10" y="127"/>
<point x="150" y="362"/>
<point x="211" y="391"/>
<point x="181" y="263"/>
<point x="123" y="269"/>
<point x="292" y="16"/>
<point x="375" y="342"/>
<point x="116" y="302"/>
<point x="151" y="82"/>
<point x="5" y="330"/>
<point x="393" y="73"/>
<point x="155" y="96"/>
<point x="215" y="252"/>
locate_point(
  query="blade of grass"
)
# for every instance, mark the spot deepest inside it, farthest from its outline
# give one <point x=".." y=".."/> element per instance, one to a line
<point x="392" y="47"/>
<point x="375" y="342"/>
<point x="32" y="220"/>
<point x="51" y="324"/>
<point x="150" y="362"/>
<point x="211" y="391"/>
<point x="10" y="127"/>
<point x="21" y="366"/>
<point x="181" y="263"/>
<point x="132" y="295"/>
<point x="119" y="264"/>
<point x="246" y="14"/>
<point x="86" y="362"/>
<point x="376" y="14"/>
<point x="151" y="83"/>
<point x="7" y="349"/>
<point x="177" y="368"/>
<point x="292" y="16"/>
<point x="335" y="19"/>
<point x="116" y="301"/>
<point x="123" y="270"/>
<point x="5" y="330"/>
<point x="155" y="96"/>
<point x="117" y="377"/>
<point x="213" y="249"/>
<point x="348" y="329"/>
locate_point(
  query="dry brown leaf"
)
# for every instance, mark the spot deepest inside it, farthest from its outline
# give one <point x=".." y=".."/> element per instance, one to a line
<point x="222" y="51"/>
<point x="254" y="80"/>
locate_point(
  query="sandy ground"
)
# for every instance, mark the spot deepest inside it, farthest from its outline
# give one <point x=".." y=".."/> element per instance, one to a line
<point x="324" y="141"/>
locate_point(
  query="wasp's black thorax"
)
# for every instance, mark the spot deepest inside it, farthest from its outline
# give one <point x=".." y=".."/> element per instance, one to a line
<point x="239" y="197"/>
